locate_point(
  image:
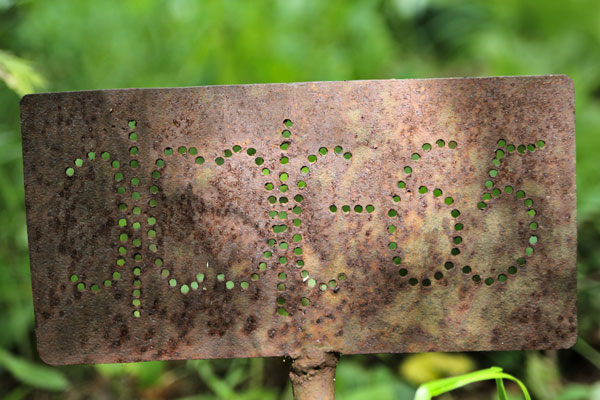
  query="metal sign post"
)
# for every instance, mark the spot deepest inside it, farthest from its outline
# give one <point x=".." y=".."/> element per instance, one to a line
<point x="302" y="220"/>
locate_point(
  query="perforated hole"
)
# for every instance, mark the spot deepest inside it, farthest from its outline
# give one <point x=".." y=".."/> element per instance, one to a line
<point x="283" y="312"/>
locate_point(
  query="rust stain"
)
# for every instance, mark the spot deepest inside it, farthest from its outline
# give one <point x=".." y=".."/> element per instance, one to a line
<point x="268" y="220"/>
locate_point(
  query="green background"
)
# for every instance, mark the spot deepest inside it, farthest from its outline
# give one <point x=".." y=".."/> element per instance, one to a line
<point x="59" y="45"/>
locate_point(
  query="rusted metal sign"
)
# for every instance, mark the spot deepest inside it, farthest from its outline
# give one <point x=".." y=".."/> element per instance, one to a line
<point x="268" y="220"/>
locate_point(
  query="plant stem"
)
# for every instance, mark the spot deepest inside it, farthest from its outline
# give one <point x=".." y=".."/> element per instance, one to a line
<point x="587" y="351"/>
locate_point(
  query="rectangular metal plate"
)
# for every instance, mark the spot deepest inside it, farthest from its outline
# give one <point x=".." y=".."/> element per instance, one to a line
<point x="263" y="220"/>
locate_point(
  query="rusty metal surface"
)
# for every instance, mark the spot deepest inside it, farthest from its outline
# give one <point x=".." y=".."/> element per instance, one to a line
<point x="358" y="217"/>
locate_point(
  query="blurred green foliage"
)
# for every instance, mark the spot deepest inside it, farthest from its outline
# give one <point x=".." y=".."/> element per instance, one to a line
<point x="75" y="45"/>
<point x="424" y="367"/>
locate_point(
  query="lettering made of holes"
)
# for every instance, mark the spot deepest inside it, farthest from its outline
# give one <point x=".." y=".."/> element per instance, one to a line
<point x="286" y="240"/>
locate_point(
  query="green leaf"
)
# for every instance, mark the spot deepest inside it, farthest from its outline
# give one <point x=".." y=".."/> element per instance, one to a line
<point x="441" y="386"/>
<point x="501" y="390"/>
<point x="36" y="375"/>
<point x="19" y="74"/>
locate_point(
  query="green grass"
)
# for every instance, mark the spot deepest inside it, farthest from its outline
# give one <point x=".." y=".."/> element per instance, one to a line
<point x="441" y="386"/>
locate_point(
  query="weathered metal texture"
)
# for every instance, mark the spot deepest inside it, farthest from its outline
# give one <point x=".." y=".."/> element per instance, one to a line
<point x="120" y="229"/>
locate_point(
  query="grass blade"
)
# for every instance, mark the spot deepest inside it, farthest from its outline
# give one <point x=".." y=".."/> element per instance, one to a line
<point x="441" y="386"/>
